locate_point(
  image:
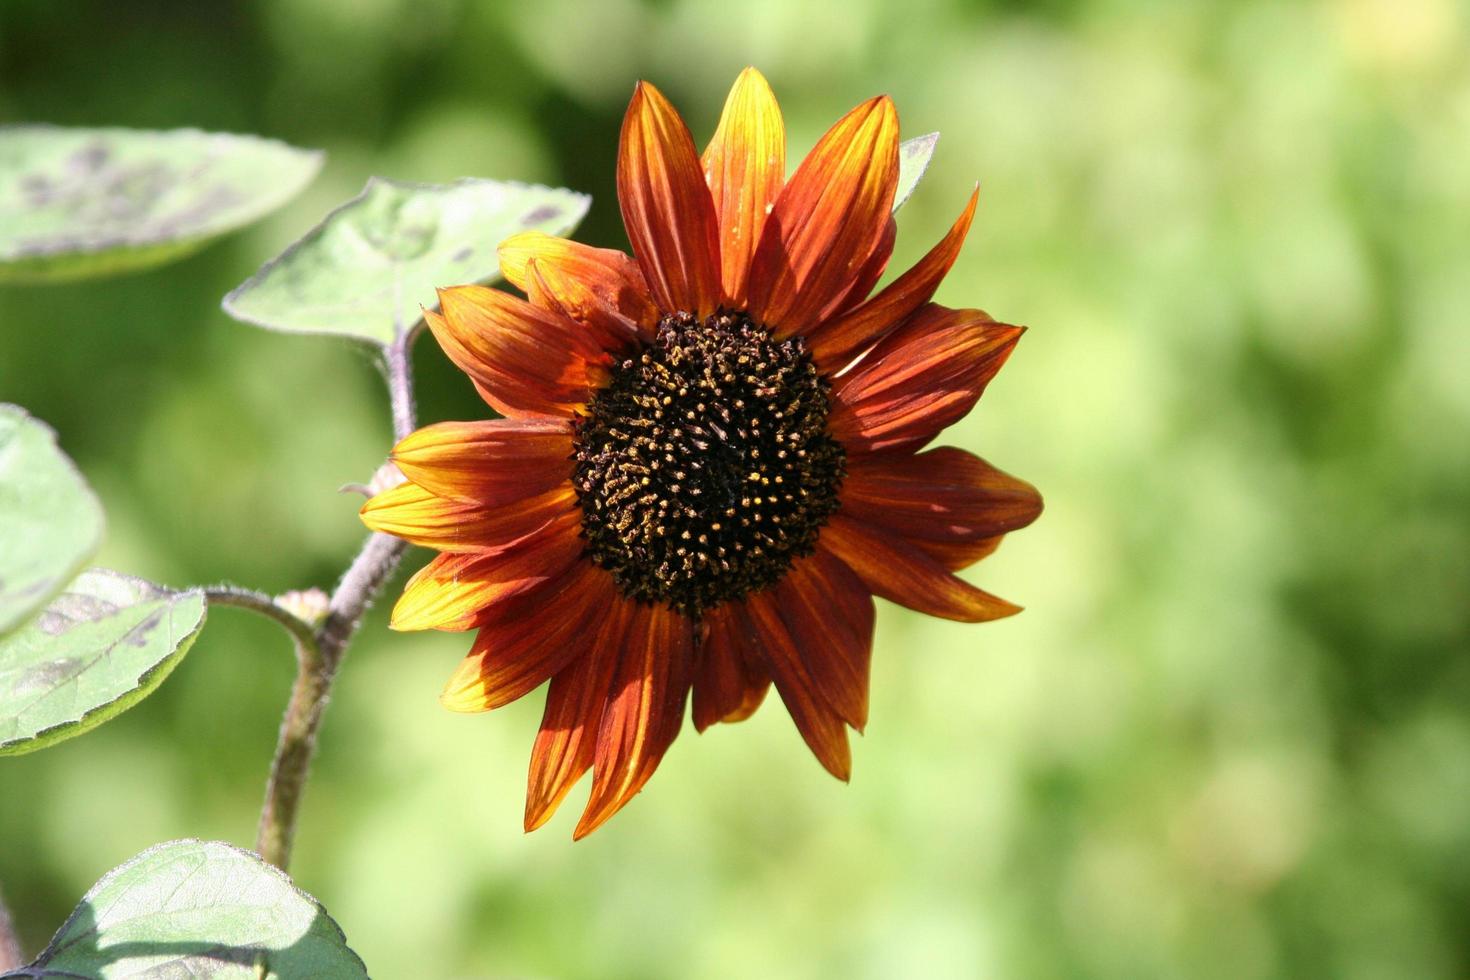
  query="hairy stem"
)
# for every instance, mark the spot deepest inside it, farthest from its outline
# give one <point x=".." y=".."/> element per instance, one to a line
<point x="294" y="746"/>
<point x="398" y="370"/>
<point x="10" y="954"/>
<point x="259" y="602"/>
<point x="318" y="660"/>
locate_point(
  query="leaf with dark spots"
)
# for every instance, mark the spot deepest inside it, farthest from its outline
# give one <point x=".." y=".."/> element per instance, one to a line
<point x="45" y="676"/>
<point x="139" y="635"/>
<point x="70" y="609"/>
<point x="540" y="215"/>
<point x="104" y="644"/>
<point x="370" y="268"/>
<point x="85" y="202"/>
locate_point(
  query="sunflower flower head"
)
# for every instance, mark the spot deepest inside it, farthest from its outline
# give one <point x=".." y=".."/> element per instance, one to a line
<point x="710" y="456"/>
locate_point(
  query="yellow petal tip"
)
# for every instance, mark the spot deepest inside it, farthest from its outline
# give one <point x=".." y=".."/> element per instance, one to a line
<point x="462" y="703"/>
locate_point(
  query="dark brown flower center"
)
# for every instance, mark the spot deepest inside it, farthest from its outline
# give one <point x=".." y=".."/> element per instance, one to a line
<point x="704" y="467"/>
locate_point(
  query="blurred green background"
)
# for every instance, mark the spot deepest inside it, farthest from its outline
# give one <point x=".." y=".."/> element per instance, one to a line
<point x="1228" y="737"/>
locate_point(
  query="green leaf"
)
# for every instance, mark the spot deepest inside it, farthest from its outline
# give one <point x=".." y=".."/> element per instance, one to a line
<point x="76" y="203"/>
<point x="370" y="266"/>
<point x="913" y="160"/>
<point x="102" y="646"/>
<point x="50" y="523"/>
<point x="198" y="909"/>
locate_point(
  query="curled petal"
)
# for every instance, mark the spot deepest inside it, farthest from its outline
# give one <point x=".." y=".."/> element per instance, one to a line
<point x="530" y="639"/>
<point x="923" y="376"/>
<point x="838" y="341"/>
<point x="567" y="741"/>
<point x="644" y="715"/>
<point x="463" y="591"/>
<point x="524" y="361"/>
<point x="491" y="462"/>
<point x="598" y="286"/>
<point x="667" y="209"/>
<point x="950" y="503"/>
<point x="411" y="512"/>
<point x="815" y="718"/>
<point x="827" y="222"/>
<point x="613" y="332"/>
<point x="729" y="683"/>
<point x="745" y="165"/>
<point x="955" y="555"/>
<point x="905" y="574"/>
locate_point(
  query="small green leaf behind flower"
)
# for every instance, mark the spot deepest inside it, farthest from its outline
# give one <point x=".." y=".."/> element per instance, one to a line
<point x="77" y="203"/>
<point x="50" y="522"/>
<point x="103" y="645"/>
<point x="193" y="908"/>
<point x="913" y="160"/>
<point x="369" y="267"/>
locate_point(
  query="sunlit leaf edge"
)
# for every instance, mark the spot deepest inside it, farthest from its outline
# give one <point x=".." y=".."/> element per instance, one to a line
<point x="75" y="568"/>
<point x="77" y="266"/>
<point x="37" y="968"/>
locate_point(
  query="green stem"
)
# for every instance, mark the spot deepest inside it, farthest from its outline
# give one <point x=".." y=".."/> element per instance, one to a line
<point x="319" y="658"/>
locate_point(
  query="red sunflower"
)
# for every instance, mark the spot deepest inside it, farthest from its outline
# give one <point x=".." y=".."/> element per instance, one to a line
<point x="709" y="458"/>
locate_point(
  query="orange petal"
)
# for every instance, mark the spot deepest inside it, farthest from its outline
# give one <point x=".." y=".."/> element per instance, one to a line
<point x="612" y="331"/>
<point x="836" y="342"/>
<point x="950" y="503"/>
<point x="745" y="165"/>
<point x="667" y="209"/>
<point x="729" y="683"/>
<point x="492" y="461"/>
<point x="871" y="272"/>
<point x="955" y="555"/>
<point x="530" y="639"/>
<point x="585" y="282"/>
<point x="524" y="361"/>
<point x="462" y="591"/>
<point x="829" y="616"/>
<point x="905" y="574"/>
<point x="920" y="378"/>
<point x="567" y="741"/>
<point x="410" y="512"/>
<point x="819" y="725"/>
<point x="645" y="713"/>
<point x="827" y="221"/>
